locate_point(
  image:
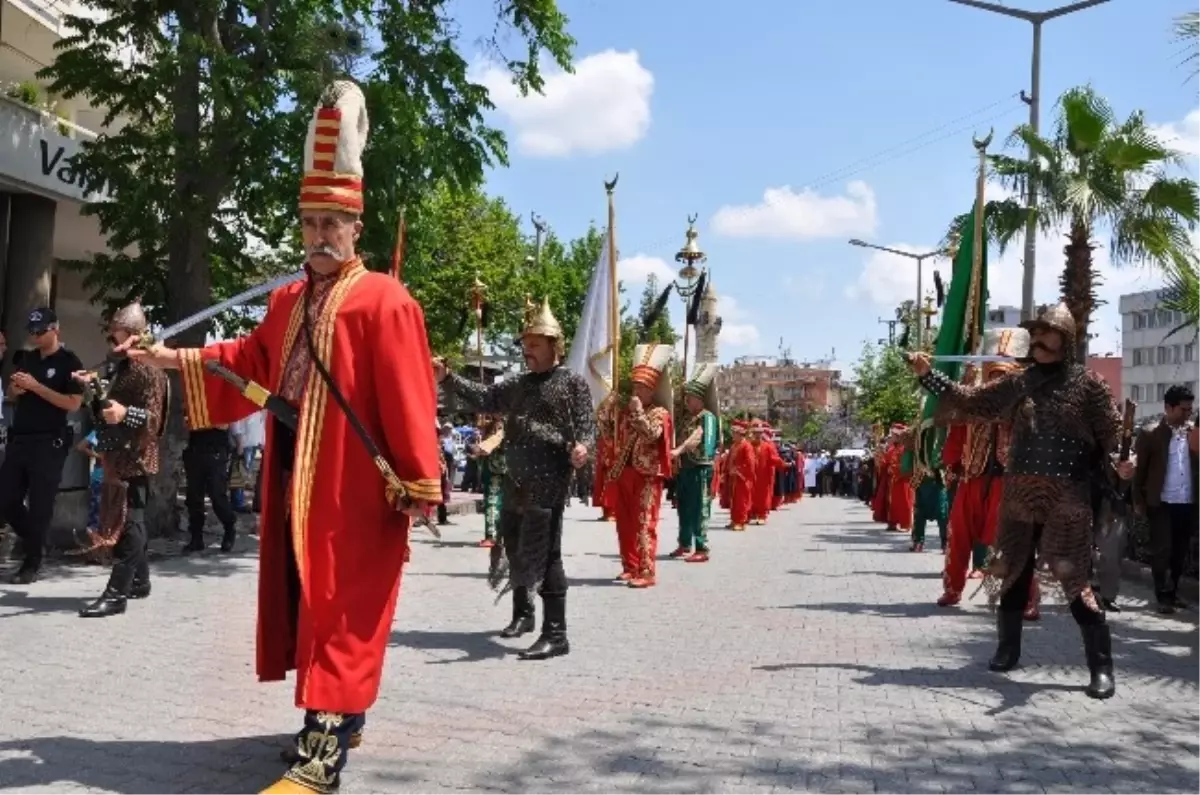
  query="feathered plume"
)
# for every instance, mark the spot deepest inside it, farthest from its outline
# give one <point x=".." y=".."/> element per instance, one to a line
<point x="693" y="313"/>
<point x="904" y="337"/>
<point x="940" y="288"/>
<point x="655" y="312"/>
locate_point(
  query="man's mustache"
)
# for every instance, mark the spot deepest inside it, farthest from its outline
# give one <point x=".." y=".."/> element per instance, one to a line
<point x="324" y="249"/>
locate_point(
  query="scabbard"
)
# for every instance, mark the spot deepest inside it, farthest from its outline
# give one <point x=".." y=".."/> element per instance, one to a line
<point x="257" y="394"/>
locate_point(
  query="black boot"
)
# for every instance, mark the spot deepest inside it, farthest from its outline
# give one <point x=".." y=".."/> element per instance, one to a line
<point x="524" y="617"/>
<point x="1008" y="650"/>
<point x="228" y="539"/>
<point x="1097" y="645"/>
<point x="140" y="588"/>
<point x="110" y="603"/>
<point x="553" y="641"/>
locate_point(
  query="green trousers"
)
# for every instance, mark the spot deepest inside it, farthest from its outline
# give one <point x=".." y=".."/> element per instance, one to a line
<point x="931" y="503"/>
<point x="695" y="506"/>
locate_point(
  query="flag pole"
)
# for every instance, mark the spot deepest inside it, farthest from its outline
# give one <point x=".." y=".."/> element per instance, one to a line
<point x="614" y="317"/>
<point x="397" y="269"/>
<point x="978" y="244"/>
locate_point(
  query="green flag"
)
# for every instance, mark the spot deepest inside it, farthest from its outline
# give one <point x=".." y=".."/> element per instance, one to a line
<point x="962" y="314"/>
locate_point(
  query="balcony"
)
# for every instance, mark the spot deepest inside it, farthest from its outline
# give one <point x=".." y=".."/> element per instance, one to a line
<point x="49" y="12"/>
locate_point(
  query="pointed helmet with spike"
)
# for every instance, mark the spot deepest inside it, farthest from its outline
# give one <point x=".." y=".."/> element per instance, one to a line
<point x="131" y="318"/>
<point x="541" y="321"/>
<point x="1056" y="318"/>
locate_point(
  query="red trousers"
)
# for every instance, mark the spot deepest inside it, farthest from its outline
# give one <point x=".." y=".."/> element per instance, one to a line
<point x="741" y="498"/>
<point x="974" y="517"/>
<point x="760" y="504"/>
<point x="600" y="492"/>
<point x="636" y="505"/>
<point x="900" y="499"/>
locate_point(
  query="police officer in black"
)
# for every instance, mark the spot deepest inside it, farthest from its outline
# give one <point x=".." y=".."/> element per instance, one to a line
<point x="206" y="467"/>
<point x="43" y="392"/>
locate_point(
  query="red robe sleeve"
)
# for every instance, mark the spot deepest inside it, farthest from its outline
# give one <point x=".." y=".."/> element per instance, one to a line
<point x="404" y="380"/>
<point x="952" y="449"/>
<point x="209" y="400"/>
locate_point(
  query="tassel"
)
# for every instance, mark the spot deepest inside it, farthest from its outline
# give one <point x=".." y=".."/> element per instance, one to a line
<point x="940" y="288"/>
<point x="655" y="312"/>
<point x="693" y="314"/>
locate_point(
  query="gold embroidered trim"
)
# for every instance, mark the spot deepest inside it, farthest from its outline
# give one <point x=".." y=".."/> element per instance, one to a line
<point x="425" y="489"/>
<point x="313" y="404"/>
<point x="191" y="369"/>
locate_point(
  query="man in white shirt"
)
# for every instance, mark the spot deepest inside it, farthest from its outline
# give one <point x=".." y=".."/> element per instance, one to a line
<point x="249" y="436"/>
<point x="1164" y="491"/>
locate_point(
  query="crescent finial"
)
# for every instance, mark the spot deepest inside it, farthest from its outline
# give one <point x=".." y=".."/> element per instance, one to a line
<point x="609" y="187"/>
<point x="982" y="145"/>
<point x="692" y="218"/>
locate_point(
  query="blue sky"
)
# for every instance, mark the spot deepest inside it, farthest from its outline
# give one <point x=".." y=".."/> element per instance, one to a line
<point x="868" y="104"/>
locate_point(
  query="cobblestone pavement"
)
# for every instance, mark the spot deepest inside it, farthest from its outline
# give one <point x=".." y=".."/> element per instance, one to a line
<point x="807" y="655"/>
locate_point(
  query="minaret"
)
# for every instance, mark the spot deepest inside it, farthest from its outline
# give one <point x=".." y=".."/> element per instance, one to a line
<point x="708" y="326"/>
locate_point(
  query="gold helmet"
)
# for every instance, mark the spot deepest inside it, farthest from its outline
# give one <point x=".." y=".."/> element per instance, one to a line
<point x="1057" y="318"/>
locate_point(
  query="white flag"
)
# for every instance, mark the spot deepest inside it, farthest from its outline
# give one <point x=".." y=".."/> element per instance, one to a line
<point x="591" y="350"/>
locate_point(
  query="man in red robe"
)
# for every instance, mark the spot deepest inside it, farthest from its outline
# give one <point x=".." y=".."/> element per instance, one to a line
<point x="333" y="540"/>
<point x="899" y="499"/>
<point x="741" y="478"/>
<point x="766" y="462"/>
<point x="724" y="480"/>
<point x="644" y="437"/>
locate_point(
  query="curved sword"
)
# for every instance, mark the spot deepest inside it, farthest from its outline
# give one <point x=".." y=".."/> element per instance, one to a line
<point x="230" y="303"/>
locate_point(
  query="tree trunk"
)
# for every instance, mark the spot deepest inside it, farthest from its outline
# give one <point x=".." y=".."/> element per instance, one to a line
<point x="1078" y="283"/>
<point x="188" y="279"/>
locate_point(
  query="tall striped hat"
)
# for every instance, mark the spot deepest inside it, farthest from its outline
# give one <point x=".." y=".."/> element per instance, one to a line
<point x="333" y="149"/>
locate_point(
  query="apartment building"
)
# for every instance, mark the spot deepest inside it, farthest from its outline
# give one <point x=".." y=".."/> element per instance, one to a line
<point x="41" y="203"/>
<point x="1152" y="358"/>
<point x="796" y="387"/>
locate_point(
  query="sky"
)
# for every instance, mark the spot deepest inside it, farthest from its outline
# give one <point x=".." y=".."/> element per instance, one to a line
<point x="791" y="127"/>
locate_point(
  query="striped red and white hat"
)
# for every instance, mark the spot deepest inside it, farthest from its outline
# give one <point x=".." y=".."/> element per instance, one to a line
<point x="333" y="149"/>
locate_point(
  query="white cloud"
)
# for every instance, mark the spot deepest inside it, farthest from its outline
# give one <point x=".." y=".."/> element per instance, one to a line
<point x="640" y="267"/>
<point x="801" y="215"/>
<point x="603" y="106"/>
<point x="1183" y="135"/>
<point x="887" y="279"/>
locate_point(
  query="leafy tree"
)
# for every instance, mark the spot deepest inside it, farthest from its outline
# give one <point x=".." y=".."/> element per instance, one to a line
<point x="1187" y="31"/>
<point x="887" y="391"/>
<point x="1095" y="170"/>
<point x="205" y="174"/>
<point x="204" y="170"/>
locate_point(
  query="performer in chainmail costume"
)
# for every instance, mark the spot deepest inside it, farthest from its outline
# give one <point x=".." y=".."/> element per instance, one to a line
<point x="1064" y="424"/>
<point x="131" y="419"/>
<point x="549" y="429"/>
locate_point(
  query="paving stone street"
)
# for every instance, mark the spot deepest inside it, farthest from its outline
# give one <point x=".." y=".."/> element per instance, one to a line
<point x="806" y="656"/>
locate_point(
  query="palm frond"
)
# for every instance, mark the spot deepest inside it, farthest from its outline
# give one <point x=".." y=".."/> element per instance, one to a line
<point x="1187" y="30"/>
<point x="1182" y="294"/>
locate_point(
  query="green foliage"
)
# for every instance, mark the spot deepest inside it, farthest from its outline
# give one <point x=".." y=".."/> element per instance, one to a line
<point x="1095" y="170"/>
<point x="204" y="176"/>
<point x="1187" y="30"/>
<point x="887" y="391"/>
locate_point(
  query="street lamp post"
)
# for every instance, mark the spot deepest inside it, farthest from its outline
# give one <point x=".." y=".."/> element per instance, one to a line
<point x="689" y="255"/>
<point x="920" y="258"/>
<point x="1033" y="100"/>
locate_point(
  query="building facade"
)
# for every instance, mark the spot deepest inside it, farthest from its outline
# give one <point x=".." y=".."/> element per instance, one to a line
<point x="1002" y="317"/>
<point x="1152" y="357"/>
<point x="751" y="382"/>
<point x="41" y="203"/>
<point x="1108" y="368"/>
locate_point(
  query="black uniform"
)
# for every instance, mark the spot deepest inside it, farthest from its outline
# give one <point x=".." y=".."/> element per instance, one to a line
<point x="38" y="443"/>
<point x="206" y="466"/>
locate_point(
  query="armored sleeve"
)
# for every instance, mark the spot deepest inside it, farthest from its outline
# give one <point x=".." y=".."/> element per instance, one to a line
<point x="582" y="414"/>
<point x="1105" y="419"/>
<point x="485" y="398"/>
<point x="957" y="403"/>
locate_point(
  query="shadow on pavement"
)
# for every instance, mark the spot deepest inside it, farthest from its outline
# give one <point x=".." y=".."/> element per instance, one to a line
<point x="470" y="646"/>
<point x="142" y="767"/>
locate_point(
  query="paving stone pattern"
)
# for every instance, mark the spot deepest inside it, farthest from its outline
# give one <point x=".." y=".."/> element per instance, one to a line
<point x="806" y="656"/>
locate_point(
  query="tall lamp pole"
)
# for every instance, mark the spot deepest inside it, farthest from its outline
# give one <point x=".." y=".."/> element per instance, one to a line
<point x="686" y="284"/>
<point x="920" y="258"/>
<point x="1033" y="100"/>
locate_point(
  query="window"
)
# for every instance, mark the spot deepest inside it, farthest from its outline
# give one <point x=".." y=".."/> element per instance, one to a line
<point x="1164" y="318"/>
<point x="1163" y="354"/>
<point x="1135" y="392"/>
<point x="1176" y="354"/>
<point x="1162" y="391"/>
<point x="1189" y="352"/>
<point x="1137" y="361"/>
<point x="1141" y="320"/>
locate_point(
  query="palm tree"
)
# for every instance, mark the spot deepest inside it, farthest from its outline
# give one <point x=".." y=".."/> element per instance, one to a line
<point x="1187" y="30"/>
<point x="1093" y="171"/>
